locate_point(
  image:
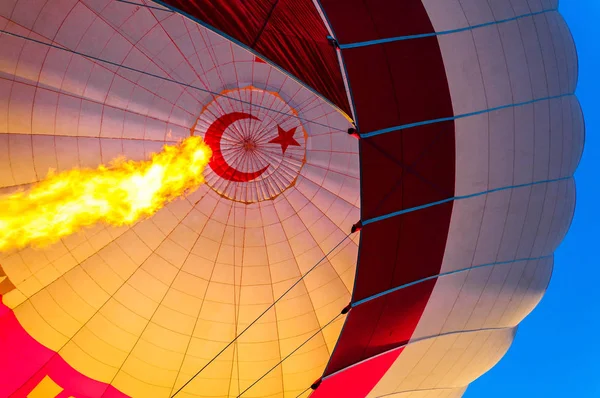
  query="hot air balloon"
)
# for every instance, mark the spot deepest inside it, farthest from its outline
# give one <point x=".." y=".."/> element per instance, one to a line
<point x="387" y="185"/>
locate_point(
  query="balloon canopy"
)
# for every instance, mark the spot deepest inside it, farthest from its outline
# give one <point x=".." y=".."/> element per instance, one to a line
<point x="387" y="184"/>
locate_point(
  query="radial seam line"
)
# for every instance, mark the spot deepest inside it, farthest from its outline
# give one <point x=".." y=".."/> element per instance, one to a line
<point x="164" y="78"/>
<point x="261" y="315"/>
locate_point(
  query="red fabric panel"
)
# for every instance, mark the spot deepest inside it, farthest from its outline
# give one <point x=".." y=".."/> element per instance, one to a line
<point x="419" y="168"/>
<point x="21" y="356"/>
<point x="398" y="83"/>
<point x="395" y="84"/>
<point x="25" y="362"/>
<point x="401" y="250"/>
<point x="362" y="20"/>
<point x="373" y="93"/>
<point x="399" y="317"/>
<point x="357" y="381"/>
<point x="290" y="33"/>
<point x="355" y="336"/>
<point x="380" y="325"/>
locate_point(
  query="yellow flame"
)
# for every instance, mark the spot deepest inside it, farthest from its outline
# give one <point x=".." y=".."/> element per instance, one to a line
<point x="117" y="195"/>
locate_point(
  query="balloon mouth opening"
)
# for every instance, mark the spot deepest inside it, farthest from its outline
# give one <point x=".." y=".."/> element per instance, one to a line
<point x="249" y="145"/>
<point x="256" y="156"/>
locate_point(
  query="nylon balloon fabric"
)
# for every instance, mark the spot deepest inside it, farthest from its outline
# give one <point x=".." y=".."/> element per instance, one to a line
<point x="381" y="190"/>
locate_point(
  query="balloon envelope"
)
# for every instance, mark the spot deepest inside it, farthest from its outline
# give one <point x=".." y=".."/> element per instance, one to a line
<point x="397" y="264"/>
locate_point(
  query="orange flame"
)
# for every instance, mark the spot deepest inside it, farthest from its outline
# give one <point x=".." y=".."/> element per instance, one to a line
<point x="116" y="195"/>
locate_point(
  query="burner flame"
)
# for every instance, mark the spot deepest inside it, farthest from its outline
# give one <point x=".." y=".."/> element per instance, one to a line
<point x="120" y="194"/>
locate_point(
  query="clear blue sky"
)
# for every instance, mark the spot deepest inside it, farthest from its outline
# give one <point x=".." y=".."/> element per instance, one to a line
<point x="556" y="351"/>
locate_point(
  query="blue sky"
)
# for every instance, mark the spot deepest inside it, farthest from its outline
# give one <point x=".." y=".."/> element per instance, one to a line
<point x="556" y="352"/>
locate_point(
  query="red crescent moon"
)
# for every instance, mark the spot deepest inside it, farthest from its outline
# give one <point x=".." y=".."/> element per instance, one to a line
<point x="218" y="163"/>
